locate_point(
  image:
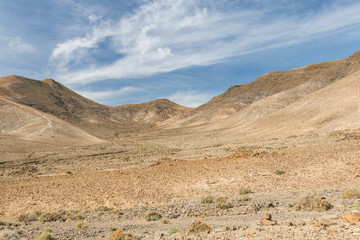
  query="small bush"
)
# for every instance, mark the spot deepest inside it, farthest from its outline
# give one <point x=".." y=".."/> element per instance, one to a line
<point x="245" y="190"/>
<point x="208" y="199"/>
<point x="222" y="203"/>
<point x="279" y="172"/>
<point x="173" y="230"/>
<point x="112" y="229"/>
<point x="27" y="217"/>
<point x="103" y="209"/>
<point x="19" y="231"/>
<point x="198" y="227"/>
<point x="224" y="206"/>
<point x="245" y="199"/>
<point x="120" y="235"/>
<point x="165" y="221"/>
<point x="46" y="235"/>
<point x="152" y="216"/>
<point x="309" y="203"/>
<point x="81" y="225"/>
<point x="350" y="194"/>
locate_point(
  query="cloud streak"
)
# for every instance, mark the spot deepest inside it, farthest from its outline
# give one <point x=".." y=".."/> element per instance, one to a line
<point x="190" y="98"/>
<point x="162" y="37"/>
<point x="104" y="96"/>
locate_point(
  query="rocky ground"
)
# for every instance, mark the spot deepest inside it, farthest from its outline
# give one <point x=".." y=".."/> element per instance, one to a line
<point x="300" y="187"/>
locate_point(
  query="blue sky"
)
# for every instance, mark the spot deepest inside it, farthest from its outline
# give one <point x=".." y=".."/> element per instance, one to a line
<point x="118" y="52"/>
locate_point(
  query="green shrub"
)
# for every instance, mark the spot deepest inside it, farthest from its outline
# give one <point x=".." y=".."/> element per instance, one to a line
<point x="173" y="230"/>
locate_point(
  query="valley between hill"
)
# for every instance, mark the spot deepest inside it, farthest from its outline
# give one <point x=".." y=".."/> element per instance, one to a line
<point x="286" y="144"/>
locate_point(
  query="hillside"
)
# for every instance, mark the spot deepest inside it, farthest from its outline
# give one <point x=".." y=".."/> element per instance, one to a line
<point x="298" y="82"/>
<point x="52" y="98"/>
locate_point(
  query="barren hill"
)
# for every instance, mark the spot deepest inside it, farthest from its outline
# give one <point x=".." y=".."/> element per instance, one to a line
<point x="299" y="82"/>
<point x="52" y="98"/>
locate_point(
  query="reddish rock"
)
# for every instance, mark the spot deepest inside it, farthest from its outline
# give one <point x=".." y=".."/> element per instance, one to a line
<point x="352" y="217"/>
<point x="268" y="222"/>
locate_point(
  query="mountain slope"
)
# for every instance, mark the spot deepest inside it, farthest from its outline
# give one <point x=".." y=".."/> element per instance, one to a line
<point x="332" y="108"/>
<point x="51" y="97"/>
<point x="305" y="79"/>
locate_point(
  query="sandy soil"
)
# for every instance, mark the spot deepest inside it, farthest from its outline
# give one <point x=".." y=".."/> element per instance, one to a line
<point x="278" y="171"/>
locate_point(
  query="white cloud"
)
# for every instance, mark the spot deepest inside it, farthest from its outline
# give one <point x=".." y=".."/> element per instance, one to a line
<point x="163" y="36"/>
<point x="103" y="96"/>
<point x="19" y="46"/>
<point x="190" y="98"/>
<point x="94" y="18"/>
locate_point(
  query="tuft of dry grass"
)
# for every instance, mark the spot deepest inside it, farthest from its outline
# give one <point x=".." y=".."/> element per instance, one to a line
<point x="27" y="217"/>
<point x="208" y="199"/>
<point x="152" y="216"/>
<point x="46" y="235"/>
<point x="279" y="172"/>
<point x="120" y="235"/>
<point x="245" y="190"/>
<point x="199" y="227"/>
<point x="350" y="194"/>
<point x="244" y="198"/>
<point x="310" y="203"/>
<point x="222" y="203"/>
<point x="82" y="225"/>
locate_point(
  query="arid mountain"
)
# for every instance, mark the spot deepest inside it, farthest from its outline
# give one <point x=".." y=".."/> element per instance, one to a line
<point x="332" y="108"/>
<point x="323" y="97"/>
<point x="53" y="99"/>
<point x="296" y="83"/>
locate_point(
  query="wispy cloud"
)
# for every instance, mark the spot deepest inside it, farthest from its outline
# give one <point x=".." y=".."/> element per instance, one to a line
<point x="17" y="45"/>
<point x="190" y="98"/>
<point x="105" y="96"/>
<point x="162" y="36"/>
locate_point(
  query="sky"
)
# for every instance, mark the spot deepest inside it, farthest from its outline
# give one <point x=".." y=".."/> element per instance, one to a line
<point x="119" y="52"/>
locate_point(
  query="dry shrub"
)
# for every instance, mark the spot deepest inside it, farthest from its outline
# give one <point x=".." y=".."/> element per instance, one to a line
<point x="152" y="216"/>
<point x="309" y="203"/>
<point x="245" y="199"/>
<point x="208" y="199"/>
<point x="59" y="216"/>
<point x="103" y="209"/>
<point x="350" y="194"/>
<point x="245" y="190"/>
<point x="279" y="172"/>
<point x="27" y="217"/>
<point x="46" y="235"/>
<point x="222" y="203"/>
<point x="82" y="225"/>
<point x="199" y="227"/>
<point x="120" y="235"/>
